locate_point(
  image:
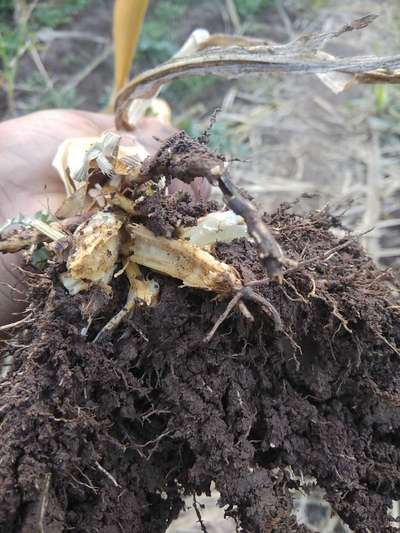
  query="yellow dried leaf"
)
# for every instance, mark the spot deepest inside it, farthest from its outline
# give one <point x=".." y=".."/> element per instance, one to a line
<point x="69" y="159"/>
<point x="237" y="56"/>
<point x="117" y="199"/>
<point x="73" y="204"/>
<point x="156" y="106"/>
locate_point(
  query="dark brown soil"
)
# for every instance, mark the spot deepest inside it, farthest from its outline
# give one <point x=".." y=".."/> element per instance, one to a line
<point x="108" y="437"/>
<point x="163" y="215"/>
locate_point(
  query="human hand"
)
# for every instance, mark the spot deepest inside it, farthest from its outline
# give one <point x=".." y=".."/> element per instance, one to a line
<point x="28" y="182"/>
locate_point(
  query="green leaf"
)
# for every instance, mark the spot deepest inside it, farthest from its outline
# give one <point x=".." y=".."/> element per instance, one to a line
<point x="250" y="8"/>
<point x="40" y="257"/>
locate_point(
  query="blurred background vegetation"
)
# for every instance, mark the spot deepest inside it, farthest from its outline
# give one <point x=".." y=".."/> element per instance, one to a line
<point x="64" y="39"/>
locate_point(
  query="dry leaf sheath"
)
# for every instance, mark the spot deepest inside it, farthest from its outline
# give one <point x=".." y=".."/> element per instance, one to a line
<point x="233" y="57"/>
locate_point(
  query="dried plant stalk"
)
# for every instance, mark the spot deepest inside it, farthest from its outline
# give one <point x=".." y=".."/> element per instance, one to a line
<point x="16" y="243"/>
<point x="179" y="259"/>
<point x="118" y="199"/>
<point x="141" y="291"/>
<point x="233" y="57"/>
<point x="97" y="244"/>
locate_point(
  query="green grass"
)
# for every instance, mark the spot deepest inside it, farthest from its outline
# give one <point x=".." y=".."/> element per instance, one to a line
<point x="381" y="97"/>
<point x="15" y="36"/>
<point x="193" y="89"/>
<point x="55" y="13"/>
<point x="157" y="44"/>
<point x="250" y="8"/>
<point x="318" y="4"/>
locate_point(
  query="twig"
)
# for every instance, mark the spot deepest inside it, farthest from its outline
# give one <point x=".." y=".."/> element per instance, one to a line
<point x="89" y="481"/>
<point x="23" y="11"/>
<point x="247" y="293"/>
<point x="204" y="137"/>
<point x="392" y="346"/>
<point x="223" y="317"/>
<point x="43" y="506"/>
<point x="27" y="319"/>
<point x="114" y="481"/>
<point x="39" y="64"/>
<point x="117" y="319"/>
<point x="184" y="158"/>
<point x="89" y="486"/>
<point x="269" y="251"/>
<point x="245" y="312"/>
<point x="285" y="19"/>
<point x="267" y="307"/>
<point x="388" y="252"/>
<point x="198" y="514"/>
<point x="47" y="34"/>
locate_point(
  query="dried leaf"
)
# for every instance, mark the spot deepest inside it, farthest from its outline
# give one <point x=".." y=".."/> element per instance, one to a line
<point x="76" y="157"/>
<point x="73" y="204"/>
<point x="234" y="57"/>
<point x="129" y="161"/>
<point x="38" y="222"/>
<point x="117" y="199"/>
<point x="69" y="160"/>
<point x="145" y="290"/>
<point x="14" y="243"/>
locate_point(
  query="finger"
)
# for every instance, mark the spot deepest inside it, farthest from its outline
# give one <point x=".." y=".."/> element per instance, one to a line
<point x="94" y="122"/>
<point x="149" y="132"/>
<point x="27" y="148"/>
